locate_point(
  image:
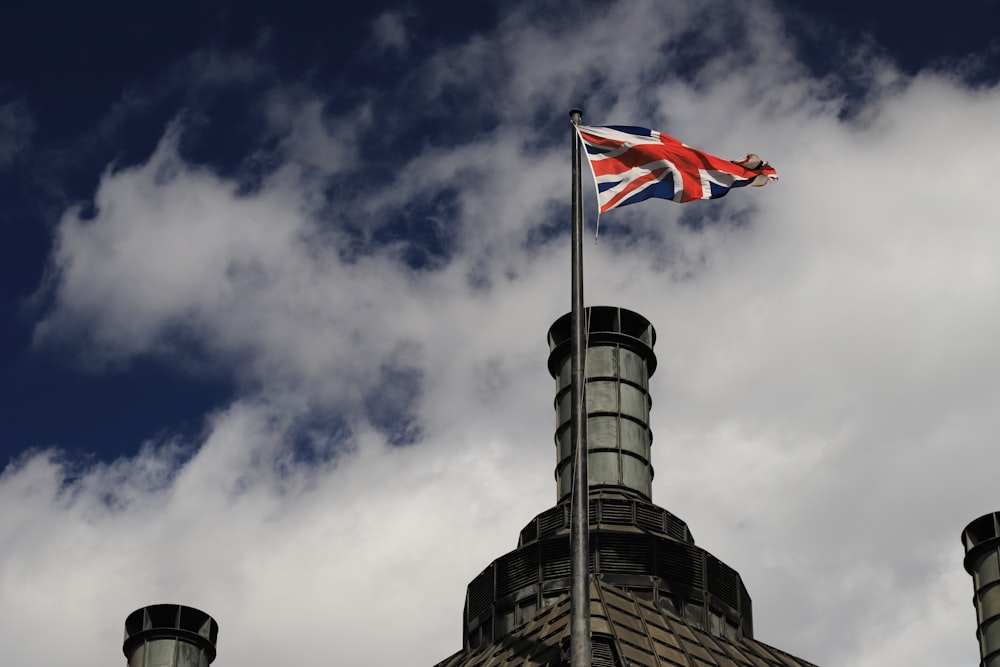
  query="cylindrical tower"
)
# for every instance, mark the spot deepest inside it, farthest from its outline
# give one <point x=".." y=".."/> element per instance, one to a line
<point x="619" y="362"/>
<point x="981" y="540"/>
<point x="169" y="635"/>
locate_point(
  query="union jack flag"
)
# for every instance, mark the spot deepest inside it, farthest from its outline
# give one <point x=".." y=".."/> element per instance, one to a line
<point x="631" y="164"/>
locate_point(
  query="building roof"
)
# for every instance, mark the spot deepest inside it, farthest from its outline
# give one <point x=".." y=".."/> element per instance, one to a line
<point x="627" y="631"/>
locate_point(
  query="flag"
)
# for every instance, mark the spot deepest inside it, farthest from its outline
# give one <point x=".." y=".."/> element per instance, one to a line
<point x="631" y="164"/>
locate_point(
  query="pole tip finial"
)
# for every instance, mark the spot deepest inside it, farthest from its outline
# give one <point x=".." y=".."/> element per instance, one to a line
<point x="575" y="113"/>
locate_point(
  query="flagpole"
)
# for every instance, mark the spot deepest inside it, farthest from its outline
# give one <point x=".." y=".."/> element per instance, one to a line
<point x="579" y="629"/>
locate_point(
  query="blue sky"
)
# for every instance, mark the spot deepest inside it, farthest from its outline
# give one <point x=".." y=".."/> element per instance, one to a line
<point x="277" y="282"/>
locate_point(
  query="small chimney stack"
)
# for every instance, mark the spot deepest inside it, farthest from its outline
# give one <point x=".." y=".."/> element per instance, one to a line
<point x="170" y="635"/>
<point x="981" y="540"/>
<point x="619" y="362"/>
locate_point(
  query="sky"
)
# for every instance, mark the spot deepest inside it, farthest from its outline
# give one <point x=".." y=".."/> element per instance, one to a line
<point x="277" y="279"/>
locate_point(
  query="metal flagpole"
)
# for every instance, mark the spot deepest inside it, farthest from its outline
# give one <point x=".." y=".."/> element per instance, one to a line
<point x="579" y="629"/>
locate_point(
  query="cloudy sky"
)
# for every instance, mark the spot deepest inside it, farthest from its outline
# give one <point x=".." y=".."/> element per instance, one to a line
<point x="276" y="284"/>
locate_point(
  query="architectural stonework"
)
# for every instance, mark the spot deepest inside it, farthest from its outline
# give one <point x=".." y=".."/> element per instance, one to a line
<point x="627" y="629"/>
<point x="656" y="597"/>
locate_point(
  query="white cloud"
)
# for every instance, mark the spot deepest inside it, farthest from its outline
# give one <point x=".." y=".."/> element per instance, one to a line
<point x="390" y="32"/>
<point x="16" y="128"/>
<point x="823" y="408"/>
